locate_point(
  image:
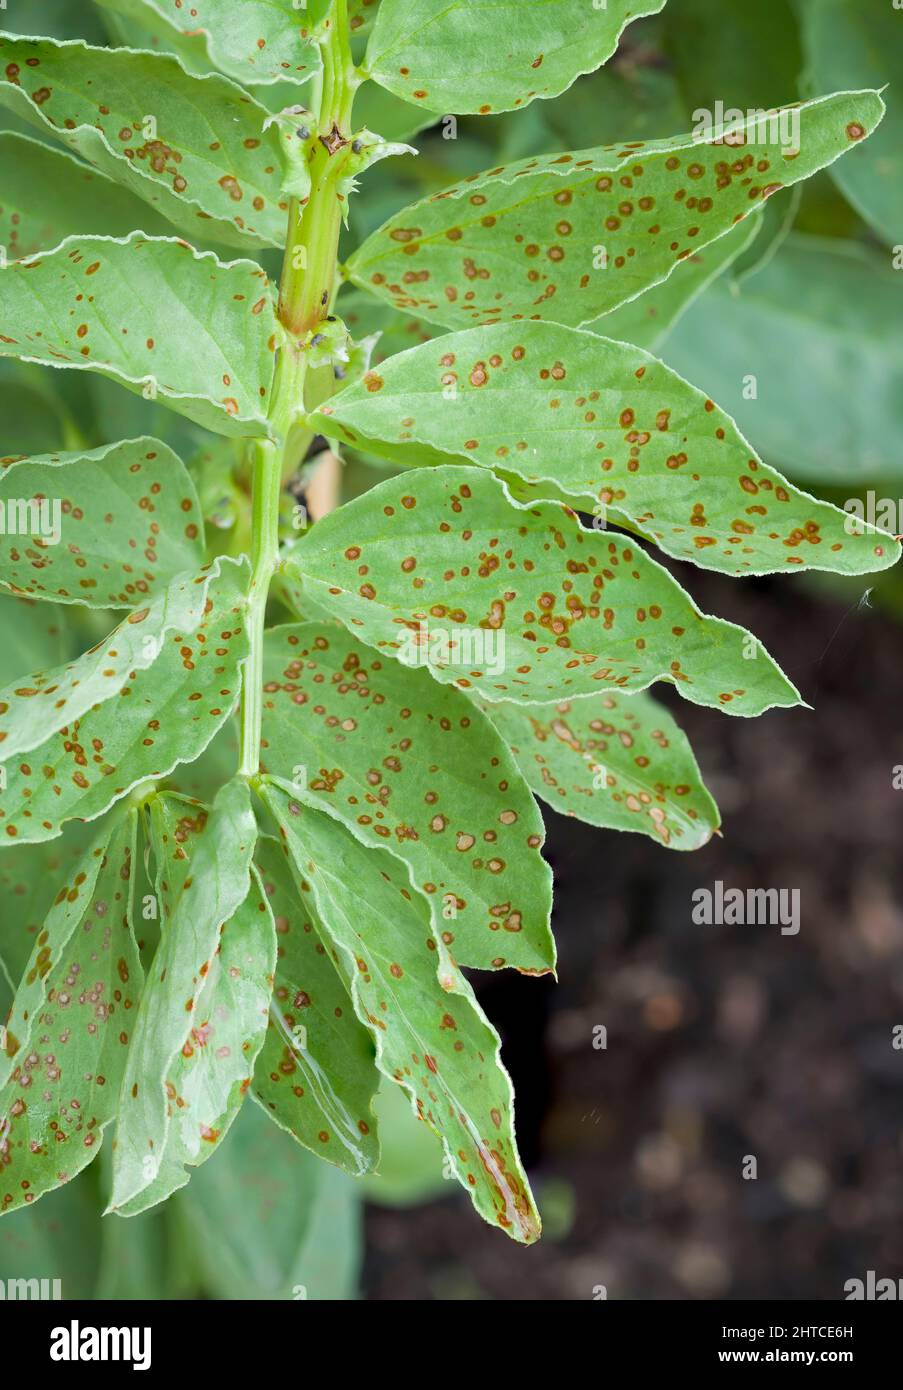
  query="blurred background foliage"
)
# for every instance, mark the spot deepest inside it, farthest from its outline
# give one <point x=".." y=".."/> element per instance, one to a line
<point x="806" y="301"/>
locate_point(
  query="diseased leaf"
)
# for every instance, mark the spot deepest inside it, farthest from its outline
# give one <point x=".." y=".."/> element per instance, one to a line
<point x="254" y="41"/>
<point x="864" y="43"/>
<point x="520" y="602"/>
<point x="29" y="881"/>
<point x="196" y="148"/>
<point x="315" y="1075"/>
<point x="110" y="528"/>
<point x="361" y="14"/>
<point x="203" y="879"/>
<point x="414" y="766"/>
<point x="481" y="56"/>
<point x="807" y="356"/>
<point x="617" y="761"/>
<point x="70" y="1026"/>
<point x="171" y="697"/>
<point x="430" y="1035"/>
<point x="152" y="314"/>
<point x="47" y="195"/>
<point x="207" y="1078"/>
<point x="648" y="319"/>
<point x="569" y="237"/>
<point x="607" y="424"/>
<point x="102" y="673"/>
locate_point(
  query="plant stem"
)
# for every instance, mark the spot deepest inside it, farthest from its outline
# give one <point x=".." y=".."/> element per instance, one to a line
<point x="305" y="296"/>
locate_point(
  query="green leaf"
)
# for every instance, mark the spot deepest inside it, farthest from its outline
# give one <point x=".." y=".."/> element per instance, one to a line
<point x="254" y="41"/>
<point x="606" y="424"/>
<point x="430" y="1035"/>
<point x="60" y="1239"/>
<point x="70" y="1025"/>
<point x="479" y="57"/>
<point x="247" y="1213"/>
<point x="445" y="568"/>
<point x="749" y="59"/>
<point x="174" y="687"/>
<point x="864" y="43"/>
<point x="34" y="421"/>
<point x="134" y="1263"/>
<point x="269" y="1222"/>
<point x="197" y="149"/>
<point x="113" y="529"/>
<point x="33" y="636"/>
<point x="411" y="765"/>
<point x="58" y="17"/>
<point x="203" y="879"/>
<point x="569" y="237"/>
<point x="815" y="335"/>
<point x="617" y="761"/>
<point x="207" y="1078"/>
<point x="48" y="195"/>
<point x="648" y="319"/>
<point x="316" y="1075"/>
<point x="152" y="314"/>
<point x="410" y="1165"/>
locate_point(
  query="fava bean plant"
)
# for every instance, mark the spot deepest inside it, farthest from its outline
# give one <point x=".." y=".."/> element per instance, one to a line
<point x="196" y="922"/>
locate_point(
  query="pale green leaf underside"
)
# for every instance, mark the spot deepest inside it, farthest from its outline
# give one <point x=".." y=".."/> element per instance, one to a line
<point x="563" y="611"/>
<point x="203" y="862"/>
<point x="255" y="41"/>
<point x="482" y="56"/>
<point x="154" y="717"/>
<point x="430" y="1035"/>
<point x="206" y="163"/>
<point x="209" y="1075"/>
<point x="412" y="765"/>
<point x="604" y="423"/>
<point x="864" y="43"/>
<point x="152" y="314"/>
<point x="569" y="237"/>
<point x="117" y="525"/>
<point x="616" y="761"/>
<point x="70" y="1026"/>
<point x="316" y="1075"/>
<point x="48" y="195"/>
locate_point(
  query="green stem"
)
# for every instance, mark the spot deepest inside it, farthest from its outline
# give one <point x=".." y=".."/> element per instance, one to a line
<point x="305" y="297"/>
